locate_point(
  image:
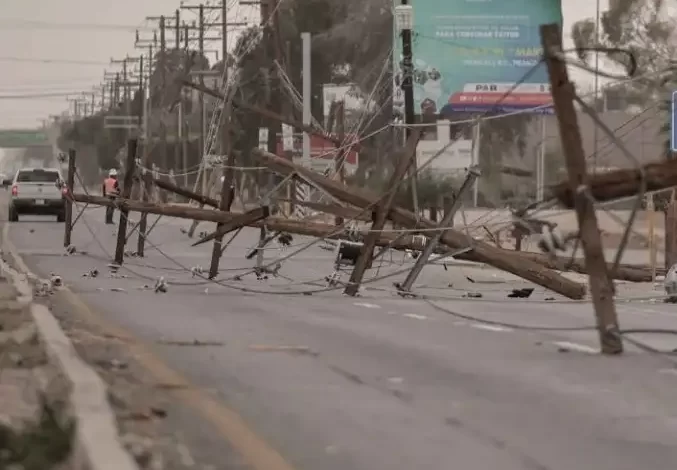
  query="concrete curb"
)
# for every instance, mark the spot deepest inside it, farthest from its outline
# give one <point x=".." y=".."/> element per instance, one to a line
<point x="98" y="445"/>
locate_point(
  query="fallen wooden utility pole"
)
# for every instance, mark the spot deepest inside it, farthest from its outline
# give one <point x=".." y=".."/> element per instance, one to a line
<point x="482" y="252"/>
<point x="619" y="184"/>
<point x="625" y="272"/>
<point x="275" y="224"/>
<point x="187" y="193"/>
<point x="342" y="212"/>
<point x="563" y="96"/>
<point x="407" y="155"/>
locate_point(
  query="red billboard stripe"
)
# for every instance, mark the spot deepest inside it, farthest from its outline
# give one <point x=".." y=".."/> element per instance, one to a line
<point x="535" y="99"/>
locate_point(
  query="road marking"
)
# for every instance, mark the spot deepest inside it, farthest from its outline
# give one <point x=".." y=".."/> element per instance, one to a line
<point x="415" y="316"/>
<point x="481" y="326"/>
<point x="230" y="425"/>
<point x="576" y="347"/>
<point x="360" y="304"/>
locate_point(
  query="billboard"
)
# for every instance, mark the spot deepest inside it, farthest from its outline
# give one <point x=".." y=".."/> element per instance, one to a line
<point x="18" y="138"/>
<point x="322" y="151"/>
<point x="468" y="53"/>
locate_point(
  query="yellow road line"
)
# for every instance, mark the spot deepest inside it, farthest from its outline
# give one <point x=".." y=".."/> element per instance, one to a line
<point x="253" y="449"/>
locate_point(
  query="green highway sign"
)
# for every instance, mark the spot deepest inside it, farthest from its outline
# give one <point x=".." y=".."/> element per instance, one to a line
<point x="17" y="138"/>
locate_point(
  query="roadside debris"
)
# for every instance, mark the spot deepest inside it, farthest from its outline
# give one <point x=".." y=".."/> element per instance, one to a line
<point x="523" y="293"/>
<point x="71" y="250"/>
<point x="472" y="295"/>
<point x="91" y="273"/>
<point x="160" y="286"/>
<point x="55" y="280"/>
<point x="195" y="342"/>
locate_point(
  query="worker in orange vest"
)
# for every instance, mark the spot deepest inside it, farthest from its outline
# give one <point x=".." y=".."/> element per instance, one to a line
<point x="111" y="190"/>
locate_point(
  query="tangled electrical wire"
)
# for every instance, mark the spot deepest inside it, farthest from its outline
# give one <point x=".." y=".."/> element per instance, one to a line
<point x="552" y="243"/>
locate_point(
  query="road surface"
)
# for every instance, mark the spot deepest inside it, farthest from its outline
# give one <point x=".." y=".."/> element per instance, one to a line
<point x="380" y="382"/>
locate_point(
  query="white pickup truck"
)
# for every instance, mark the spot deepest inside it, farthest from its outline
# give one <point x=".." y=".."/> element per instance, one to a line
<point x="38" y="191"/>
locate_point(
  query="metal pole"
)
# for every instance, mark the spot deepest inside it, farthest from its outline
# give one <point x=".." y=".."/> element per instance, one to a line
<point x="476" y="159"/>
<point x="305" y="38"/>
<point x="540" y="179"/>
<point x="409" y="107"/>
<point x="595" y="129"/>
<point x="447" y="221"/>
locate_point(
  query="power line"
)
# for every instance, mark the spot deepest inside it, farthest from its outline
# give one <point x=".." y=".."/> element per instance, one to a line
<point x="23" y="24"/>
<point x="27" y="96"/>
<point x="53" y="61"/>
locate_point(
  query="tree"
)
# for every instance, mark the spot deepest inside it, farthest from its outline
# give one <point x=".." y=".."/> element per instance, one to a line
<point x="641" y="34"/>
<point x="99" y="148"/>
<point x="635" y="33"/>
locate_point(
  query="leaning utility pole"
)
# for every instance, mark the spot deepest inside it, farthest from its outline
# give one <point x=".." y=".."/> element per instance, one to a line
<point x="563" y="96"/>
<point x="380" y="214"/>
<point x="227" y="186"/>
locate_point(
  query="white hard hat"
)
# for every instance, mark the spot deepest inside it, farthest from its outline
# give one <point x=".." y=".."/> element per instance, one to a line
<point x="112" y="172"/>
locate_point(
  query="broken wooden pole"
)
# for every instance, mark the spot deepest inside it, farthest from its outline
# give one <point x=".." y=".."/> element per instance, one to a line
<point x="70" y="187"/>
<point x="275" y="224"/>
<point x="482" y="252"/>
<point x="447" y="220"/>
<point x="625" y="272"/>
<point x="563" y="95"/>
<point x="127" y="184"/>
<point x="407" y="155"/>
<point x="342" y="212"/>
<point x="187" y="193"/>
<point x="207" y="188"/>
<point x="227" y="197"/>
<point x="239" y="221"/>
<point x="618" y="184"/>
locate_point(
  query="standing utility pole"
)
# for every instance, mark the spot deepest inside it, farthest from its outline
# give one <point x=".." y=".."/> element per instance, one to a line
<point x="126" y="192"/>
<point x="163" y="75"/>
<point x="307" y="95"/>
<point x="404" y="16"/>
<point x="70" y="187"/>
<point x="201" y="102"/>
<point x="227" y="186"/>
<point x="601" y="287"/>
<point x="184" y="129"/>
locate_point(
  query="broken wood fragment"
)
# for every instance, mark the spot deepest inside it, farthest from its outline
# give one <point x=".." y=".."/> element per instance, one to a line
<point x="623" y="183"/>
<point x="240" y="220"/>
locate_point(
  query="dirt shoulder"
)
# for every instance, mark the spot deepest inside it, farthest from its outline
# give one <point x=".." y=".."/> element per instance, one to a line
<point x="156" y="428"/>
<point x="37" y="430"/>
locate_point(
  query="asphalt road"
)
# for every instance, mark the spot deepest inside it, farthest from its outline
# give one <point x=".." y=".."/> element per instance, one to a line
<point x="381" y="382"/>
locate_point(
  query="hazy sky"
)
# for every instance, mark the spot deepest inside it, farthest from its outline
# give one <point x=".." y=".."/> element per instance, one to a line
<point x="30" y="30"/>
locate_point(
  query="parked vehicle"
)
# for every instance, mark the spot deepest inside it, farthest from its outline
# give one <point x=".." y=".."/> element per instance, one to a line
<point x="38" y="191"/>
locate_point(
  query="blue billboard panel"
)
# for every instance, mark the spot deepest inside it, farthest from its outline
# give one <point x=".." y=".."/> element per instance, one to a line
<point x="467" y="54"/>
